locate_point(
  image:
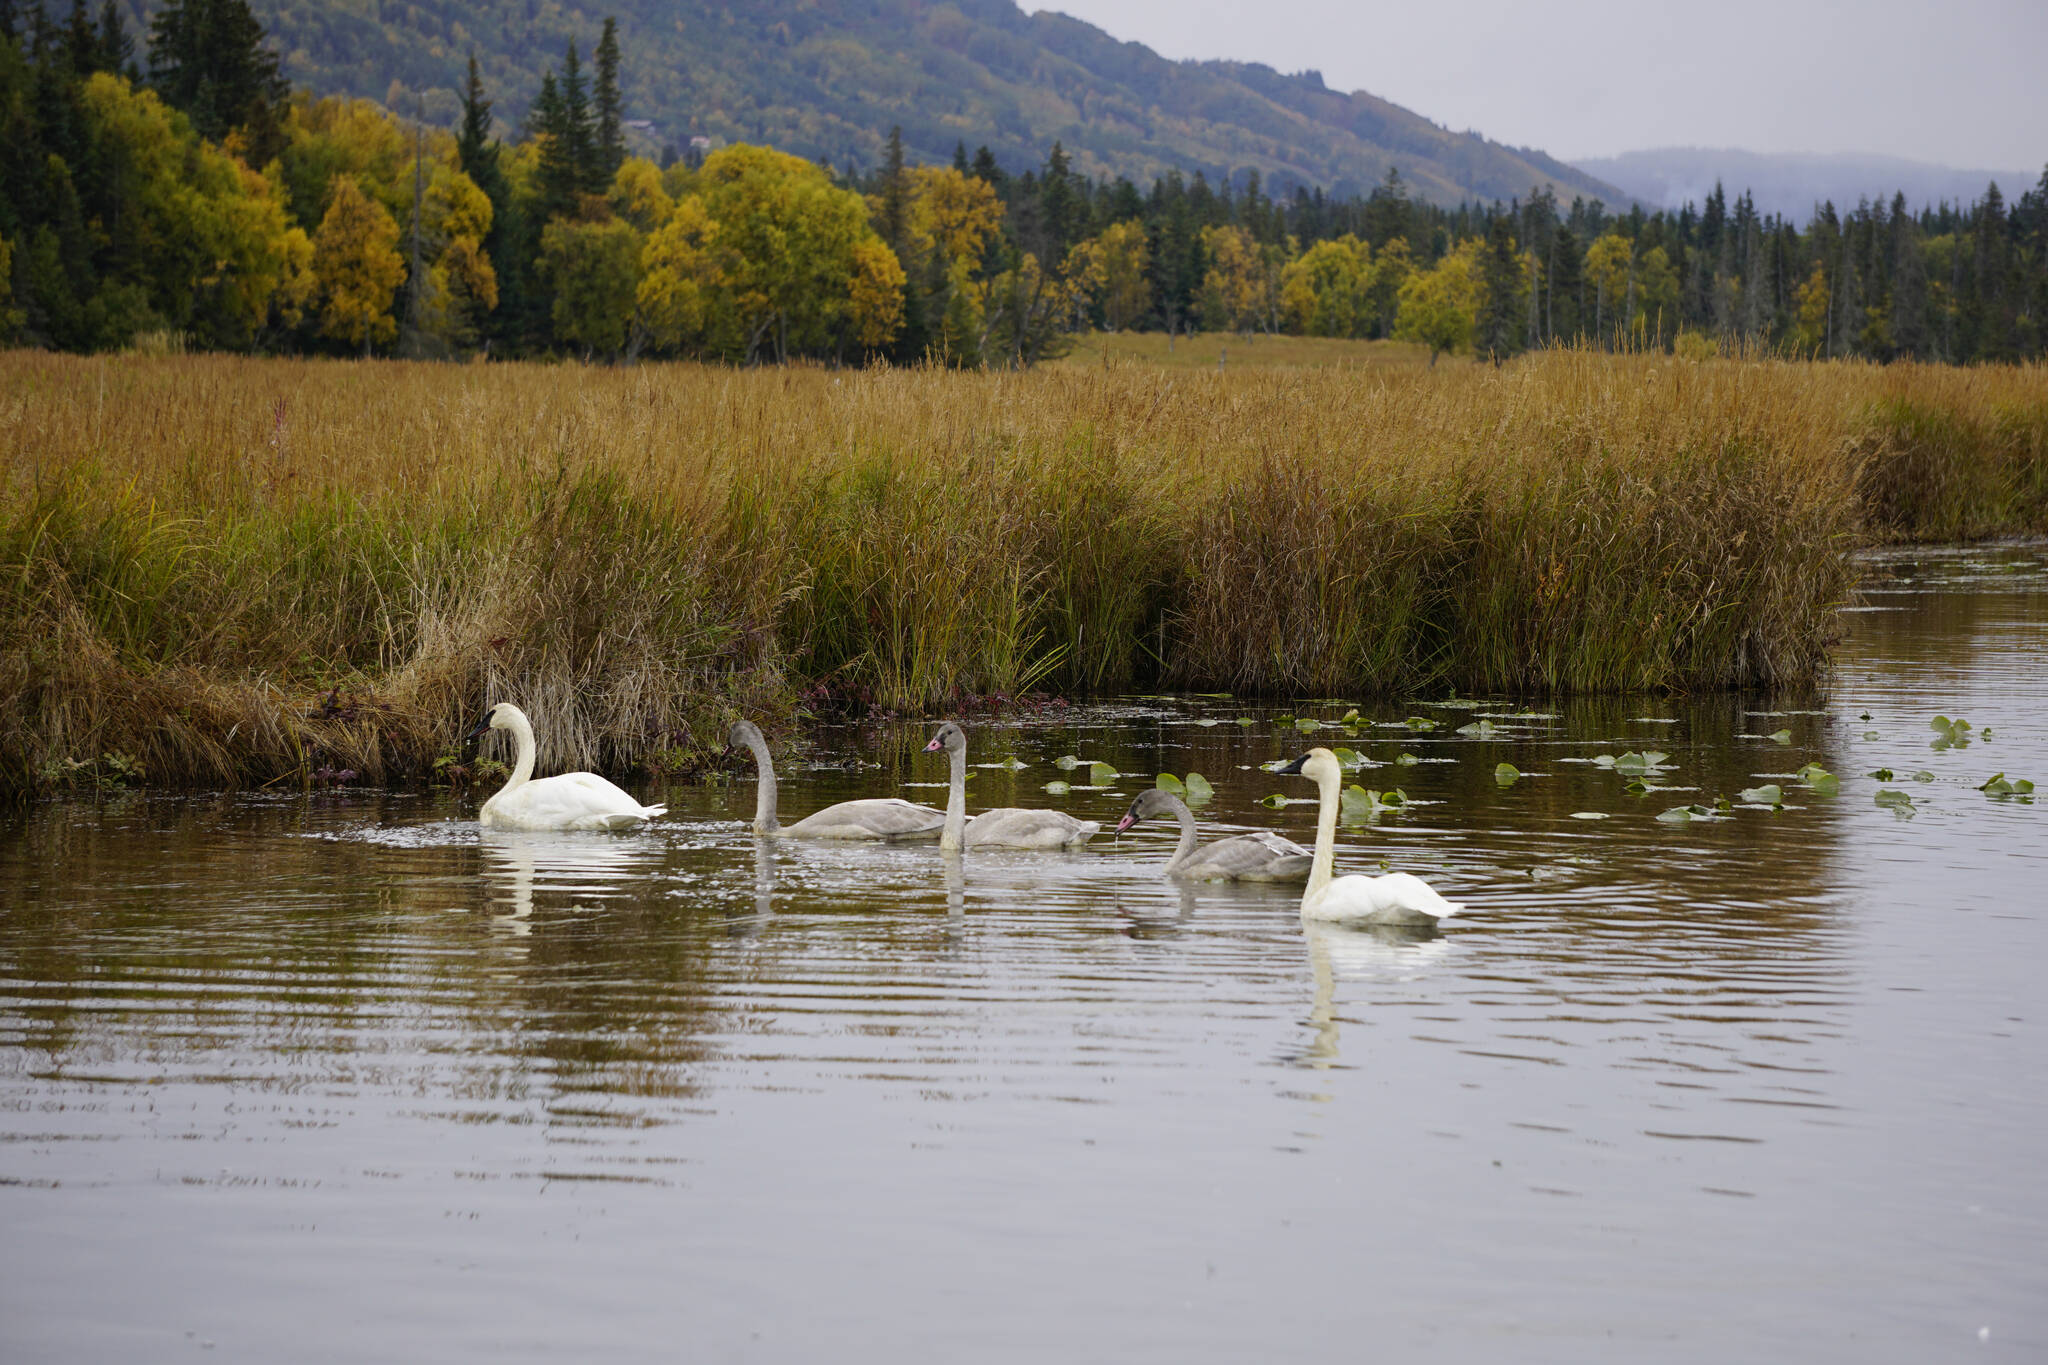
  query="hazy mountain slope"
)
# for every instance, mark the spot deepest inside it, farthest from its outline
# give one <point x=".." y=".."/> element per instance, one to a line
<point x="828" y="79"/>
<point x="1791" y="185"/>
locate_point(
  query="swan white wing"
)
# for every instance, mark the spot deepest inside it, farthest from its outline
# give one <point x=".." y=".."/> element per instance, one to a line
<point x="880" y="817"/>
<point x="570" y="801"/>
<point x="1016" y="827"/>
<point x="1397" y="898"/>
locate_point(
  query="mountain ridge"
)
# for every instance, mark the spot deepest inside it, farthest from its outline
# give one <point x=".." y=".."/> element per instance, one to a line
<point x="828" y="81"/>
<point x="1792" y="184"/>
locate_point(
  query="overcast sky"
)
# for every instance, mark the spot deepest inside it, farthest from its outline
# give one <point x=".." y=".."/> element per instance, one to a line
<point x="1958" y="83"/>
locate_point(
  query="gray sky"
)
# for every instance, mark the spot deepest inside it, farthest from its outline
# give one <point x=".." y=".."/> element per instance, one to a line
<point x="1957" y="83"/>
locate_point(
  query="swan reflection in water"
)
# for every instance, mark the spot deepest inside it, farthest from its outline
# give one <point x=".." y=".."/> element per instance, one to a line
<point x="1376" y="953"/>
<point x="569" y="870"/>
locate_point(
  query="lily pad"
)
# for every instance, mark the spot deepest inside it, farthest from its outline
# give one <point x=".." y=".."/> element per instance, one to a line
<point x="1358" y="803"/>
<point x="1780" y="736"/>
<point x="1406" y="760"/>
<point x="1770" y="794"/>
<point x="1099" y="772"/>
<point x="1881" y="774"/>
<point x="1923" y="776"/>
<point x="1066" y="763"/>
<point x="1897" y="800"/>
<point x="1058" y="788"/>
<point x="1479" y="729"/>
<point x="1821" y="781"/>
<point x="1167" y="782"/>
<point x="1507" y="774"/>
<point x="2000" y="785"/>
<point x="1419" y="723"/>
<point x="1199" y="789"/>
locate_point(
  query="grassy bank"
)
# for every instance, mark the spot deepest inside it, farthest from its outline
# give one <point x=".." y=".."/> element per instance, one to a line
<point x="227" y="570"/>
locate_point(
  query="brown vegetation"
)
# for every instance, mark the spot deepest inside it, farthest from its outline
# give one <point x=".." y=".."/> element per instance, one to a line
<point x="232" y="570"/>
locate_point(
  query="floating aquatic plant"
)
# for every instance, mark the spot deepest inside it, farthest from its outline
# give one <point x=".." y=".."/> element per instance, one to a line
<point x="1507" y="774"/>
<point x="1824" y="782"/>
<point x="2001" y="786"/>
<point x="1359" y="803"/>
<point x="1770" y="794"/>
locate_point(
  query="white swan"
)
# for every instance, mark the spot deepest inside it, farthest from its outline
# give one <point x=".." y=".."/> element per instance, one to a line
<point x="1396" y="898"/>
<point x="1006" y="826"/>
<point x="567" y="801"/>
<point x="888" y="817"/>
<point x="1260" y="856"/>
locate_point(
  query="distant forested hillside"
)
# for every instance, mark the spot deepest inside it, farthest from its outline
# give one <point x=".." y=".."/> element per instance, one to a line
<point x="828" y="81"/>
<point x="1793" y="186"/>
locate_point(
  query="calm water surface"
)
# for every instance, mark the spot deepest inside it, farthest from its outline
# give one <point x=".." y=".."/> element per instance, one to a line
<point x="341" y="1078"/>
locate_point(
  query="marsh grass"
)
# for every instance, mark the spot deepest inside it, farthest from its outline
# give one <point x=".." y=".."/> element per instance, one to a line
<point x="241" y="571"/>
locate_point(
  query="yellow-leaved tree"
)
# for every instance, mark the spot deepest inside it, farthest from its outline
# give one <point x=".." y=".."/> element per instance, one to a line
<point x="773" y="263"/>
<point x="207" y="238"/>
<point x="1325" y="291"/>
<point x="949" y="220"/>
<point x="1237" y="293"/>
<point x="679" y="273"/>
<point x="1439" y="305"/>
<point x="1634" y="292"/>
<point x="355" y="258"/>
<point x="1114" y="268"/>
<point x="462" y="283"/>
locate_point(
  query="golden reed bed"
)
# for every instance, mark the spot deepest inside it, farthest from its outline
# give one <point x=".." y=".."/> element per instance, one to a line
<point x="224" y="570"/>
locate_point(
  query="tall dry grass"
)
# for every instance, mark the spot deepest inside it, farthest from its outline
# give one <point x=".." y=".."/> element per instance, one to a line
<point x="234" y="570"/>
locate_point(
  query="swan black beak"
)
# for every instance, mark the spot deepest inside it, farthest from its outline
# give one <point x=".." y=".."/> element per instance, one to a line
<point x="1295" y="767"/>
<point x="483" y="727"/>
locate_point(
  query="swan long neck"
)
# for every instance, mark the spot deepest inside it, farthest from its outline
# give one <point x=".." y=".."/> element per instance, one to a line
<point x="1324" y="864"/>
<point x="956" y="801"/>
<point x="523" y="748"/>
<point x="764" y="789"/>
<point x="1186" y="847"/>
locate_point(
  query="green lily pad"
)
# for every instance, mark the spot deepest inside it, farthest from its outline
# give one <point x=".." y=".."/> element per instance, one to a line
<point x="1820" y="780"/>
<point x="1066" y="763"/>
<point x="1923" y="776"/>
<point x="1405" y="760"/>
<point x="1479" y="729"/>
<point x="1419" y="723"/>
<point x="1770" y="794"/>
<point x="1199" y="789"/>
<point x="1881" y="774"/>
<point x="1898" y="800"/>
<point x="1101" y="772"/>
<point x="2000" y="785"/>
<point x="1057" y="788"/>
<point x="1167" y="782"/>
<point x="1507" y="774"/>
<point x="1780" y="736"/>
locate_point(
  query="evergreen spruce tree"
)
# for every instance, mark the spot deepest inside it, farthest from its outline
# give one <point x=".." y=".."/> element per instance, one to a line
<point x="1495" y="332"/>
<point x="208" y="59"/>
<point x="611" y="118"/>
<point x="557" y="180"/>
<point x="116" y="48"/>
<point x="579" y="130"/>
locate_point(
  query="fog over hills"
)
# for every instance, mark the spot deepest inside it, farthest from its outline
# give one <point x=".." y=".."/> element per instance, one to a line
<point x="827" y="81"/>
<point x="1791" y="185"/>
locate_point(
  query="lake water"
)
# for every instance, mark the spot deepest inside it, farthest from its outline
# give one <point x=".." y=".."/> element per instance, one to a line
<point x="335" y="1078"/>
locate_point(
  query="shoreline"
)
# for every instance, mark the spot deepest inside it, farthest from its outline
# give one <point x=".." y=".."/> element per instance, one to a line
<point x="224" y="571"/>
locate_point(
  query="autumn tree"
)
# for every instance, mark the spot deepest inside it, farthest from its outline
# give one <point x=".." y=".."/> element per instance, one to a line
<point x="356" y="260"/>
<point x="593" y="268"/>
<point x="1325" y="291"/>
<point x="1438" y="305"/>
<point x="1112" y="268"/>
